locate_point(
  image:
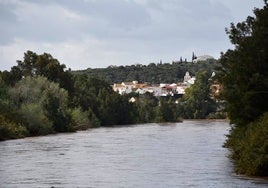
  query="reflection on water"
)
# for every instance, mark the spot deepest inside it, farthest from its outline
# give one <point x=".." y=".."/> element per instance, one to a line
<point x="188" y="154"/>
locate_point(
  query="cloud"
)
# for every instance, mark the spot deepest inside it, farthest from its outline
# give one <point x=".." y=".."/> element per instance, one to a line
<point x="98" y="33"/>
<point x="45" y="23"/>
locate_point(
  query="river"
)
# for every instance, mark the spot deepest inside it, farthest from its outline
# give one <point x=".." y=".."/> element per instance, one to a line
<point x="188" y="154"/>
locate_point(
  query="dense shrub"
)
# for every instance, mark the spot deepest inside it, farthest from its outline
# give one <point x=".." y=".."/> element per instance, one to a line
<point x="43" y="104"/>
<point x="37" y="122"/>
<point x="80" y="118"/>
<point x="250" y="147"/>
<point x="11" y="130"/>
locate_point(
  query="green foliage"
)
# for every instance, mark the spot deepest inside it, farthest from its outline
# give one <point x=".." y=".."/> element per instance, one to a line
<point x="42" y="104"/>
<point x="12" y="77"/>
<point x="197" y="103"/>
<point x="10" y="129"/>
<point x="28" y="90"/>
<point x="94" y="121"/>
<point x="115" y="109"/>
<point x="244" y="72"/>
<point x="105" y="107"/>
<point x="4" y="97"/>
<point x="244" y="75"/>
<point x="156" y="109"/>
<point x="152" y="73"/>
<point x="37" y="122"/>
<point x="146" y="106"/>
<point x="41" y="65"/>
<point x="166" y="111"/>
<point x="249" y="146"/>
<point x="80" y="118"/>
<point x="87" y="90"/>
<point x="55" y="108"/>
<point x="40" y="95"/>
<point x="7" y="109"/>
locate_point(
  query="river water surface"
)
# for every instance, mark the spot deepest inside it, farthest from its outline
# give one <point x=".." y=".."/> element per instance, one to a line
<point x="188" y="154"/>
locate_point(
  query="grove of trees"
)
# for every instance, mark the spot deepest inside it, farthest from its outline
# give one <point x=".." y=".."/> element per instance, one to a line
<point x="38" y="96"/>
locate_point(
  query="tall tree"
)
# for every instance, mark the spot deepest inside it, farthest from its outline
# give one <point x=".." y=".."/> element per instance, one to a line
<point x="193" y="57"/>
<point x="41" y="65"/>
<point x="180" y="59"/>
<point x="43" y="104"/>
<point x="244" y="76"/>
<point x="244" y="71"/>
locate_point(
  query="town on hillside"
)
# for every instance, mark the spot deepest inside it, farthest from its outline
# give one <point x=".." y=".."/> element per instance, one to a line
<point x="161" y="90"/>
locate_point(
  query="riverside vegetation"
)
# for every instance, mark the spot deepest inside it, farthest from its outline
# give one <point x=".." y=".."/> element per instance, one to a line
<point x="244" y="76"/>
<point x="39" y="96"/>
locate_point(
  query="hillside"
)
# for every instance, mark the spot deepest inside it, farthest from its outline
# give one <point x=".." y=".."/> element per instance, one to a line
<point x="152" y="73"/>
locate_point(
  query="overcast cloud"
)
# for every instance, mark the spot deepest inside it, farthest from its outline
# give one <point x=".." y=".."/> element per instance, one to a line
<point x="99" y="33"/>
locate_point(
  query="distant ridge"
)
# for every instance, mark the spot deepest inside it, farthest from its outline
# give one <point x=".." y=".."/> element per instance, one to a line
<point x="152" y="73"/>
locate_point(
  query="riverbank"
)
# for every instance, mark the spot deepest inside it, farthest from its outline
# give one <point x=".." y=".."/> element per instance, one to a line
<point x="249" y="146"/>
<point x="18" y="132"/>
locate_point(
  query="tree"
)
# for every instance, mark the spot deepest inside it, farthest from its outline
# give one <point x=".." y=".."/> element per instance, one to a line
<point x="41" y="65"/>
<point x="193" y="57"/>
<point x="12" y="77"/>
<point x="11" y="130"/>
<point x="180" y="59"/>
<point x="105" y="107"/>
<point x="55" y="109"/>
<point x="153" y="73"/>
<point x="27" y="66"/>
<point x="244" y="71"/>
<point x="4" y="97"/>
<point x="115" y="109"/>
<point x="244" y="76"/>
<point x="197" y="101"/>
<point x="11" y="125"/>
<point x="165" y="112"/>
<point x="146" y="106"/>
<point x="43" y="104"/>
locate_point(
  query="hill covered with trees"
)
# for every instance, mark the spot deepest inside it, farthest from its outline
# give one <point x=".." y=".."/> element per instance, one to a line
<point x="153" y="73"/>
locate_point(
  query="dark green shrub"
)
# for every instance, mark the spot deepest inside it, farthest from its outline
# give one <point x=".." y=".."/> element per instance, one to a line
<point x="37" y="122"/>
<point x="250" y="147"/>
<point x="11" y="130"/>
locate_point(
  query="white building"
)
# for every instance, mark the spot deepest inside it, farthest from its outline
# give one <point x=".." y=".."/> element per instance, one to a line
<point x="202" y="58"/>
<point x="186" y="77"/>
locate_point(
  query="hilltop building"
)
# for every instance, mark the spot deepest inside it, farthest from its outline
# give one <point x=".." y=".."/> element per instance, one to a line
<point x="203" y="58"/>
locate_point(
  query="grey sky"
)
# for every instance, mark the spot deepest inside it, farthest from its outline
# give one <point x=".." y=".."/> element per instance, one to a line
<point x="99" y="33"/>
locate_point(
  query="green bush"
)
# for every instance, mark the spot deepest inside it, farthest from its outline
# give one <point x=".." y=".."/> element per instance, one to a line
<point x="11" y="130"/>
<point x="250" y="147"/>
<point x="80" y="118"/>
<point x="94" y="121"/>
<point x="37" y="122"/>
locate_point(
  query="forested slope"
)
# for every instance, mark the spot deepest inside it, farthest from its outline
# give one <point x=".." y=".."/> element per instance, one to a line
<point x="152" y="73"/>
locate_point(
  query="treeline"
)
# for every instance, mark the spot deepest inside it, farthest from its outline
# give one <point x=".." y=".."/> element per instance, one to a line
<point x="153" y="73"/>
<point x="244" y="76"/>
<point x="40" y="96"/>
